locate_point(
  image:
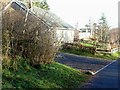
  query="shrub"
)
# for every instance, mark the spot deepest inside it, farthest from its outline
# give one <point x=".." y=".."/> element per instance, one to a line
<point x="29" y="37"/>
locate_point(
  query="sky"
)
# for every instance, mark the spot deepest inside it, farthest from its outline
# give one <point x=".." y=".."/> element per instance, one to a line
<point x="81" y="11"/>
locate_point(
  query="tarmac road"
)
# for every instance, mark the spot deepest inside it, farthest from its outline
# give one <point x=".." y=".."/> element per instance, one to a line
<point x="80" y="62"/>
<point x="108" y="78"/>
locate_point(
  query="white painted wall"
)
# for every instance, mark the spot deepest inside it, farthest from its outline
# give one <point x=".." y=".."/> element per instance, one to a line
<point x="84" y="35"/>
<point x="66" y="35"/>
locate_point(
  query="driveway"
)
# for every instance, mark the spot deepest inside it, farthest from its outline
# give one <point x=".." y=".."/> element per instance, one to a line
<point x="83" y="63"/>
<point x="106" y="78"/>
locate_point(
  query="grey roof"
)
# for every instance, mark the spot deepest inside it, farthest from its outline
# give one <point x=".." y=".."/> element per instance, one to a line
<point x="48" y="17"/>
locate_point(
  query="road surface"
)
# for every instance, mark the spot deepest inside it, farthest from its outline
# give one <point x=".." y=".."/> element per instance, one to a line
<point x="106" y="78"/>
<point x="83" y="63"/>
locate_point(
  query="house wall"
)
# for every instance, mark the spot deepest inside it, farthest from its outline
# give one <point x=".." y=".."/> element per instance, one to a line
<point x="84" y="35"/>
<point x="76" y="35"/>
<point x="65" y="35"/>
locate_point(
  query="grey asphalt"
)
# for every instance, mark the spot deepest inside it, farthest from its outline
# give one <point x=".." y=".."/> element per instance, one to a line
<point x="107" y="78"/>
<point x="80" y="62"/>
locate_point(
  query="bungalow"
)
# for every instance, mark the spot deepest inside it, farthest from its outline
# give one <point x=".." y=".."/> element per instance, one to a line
<point x="82" y="33"/>
<point x="33" y="34"/>
<point x="85" y="33"/>
<point x="65" y="32"/>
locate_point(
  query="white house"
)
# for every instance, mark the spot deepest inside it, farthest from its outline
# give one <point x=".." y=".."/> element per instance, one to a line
<point x="82" y="33"/>
<point x="65" y="32"/>
<point x="66" y="35"/>
<point x="85" y="33"/>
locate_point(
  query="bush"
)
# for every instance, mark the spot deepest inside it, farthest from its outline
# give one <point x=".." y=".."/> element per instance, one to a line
<point x="28" y="37"/>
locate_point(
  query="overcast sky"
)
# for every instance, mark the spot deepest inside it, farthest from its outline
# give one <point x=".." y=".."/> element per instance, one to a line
<point x="73" y="11"/>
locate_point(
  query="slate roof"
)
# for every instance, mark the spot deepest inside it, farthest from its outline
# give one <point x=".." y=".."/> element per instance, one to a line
<point x="48" y="17"/>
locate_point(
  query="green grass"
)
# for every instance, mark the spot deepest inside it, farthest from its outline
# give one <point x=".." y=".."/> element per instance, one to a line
<point x="86" y="44"/>
<point x="117" y="54"/>
<point x="53" y="75"/>
<point x="114" y="56"/>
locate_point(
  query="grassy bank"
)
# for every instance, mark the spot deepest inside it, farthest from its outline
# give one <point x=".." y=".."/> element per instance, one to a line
<point x="53" y="75"/>
<point x="114" y="56"/>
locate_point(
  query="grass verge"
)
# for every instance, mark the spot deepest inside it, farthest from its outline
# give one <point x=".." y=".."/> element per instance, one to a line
<point x="86" y="44"/>
<point x="53" y="75"/>
<point x="114" y="56"/>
